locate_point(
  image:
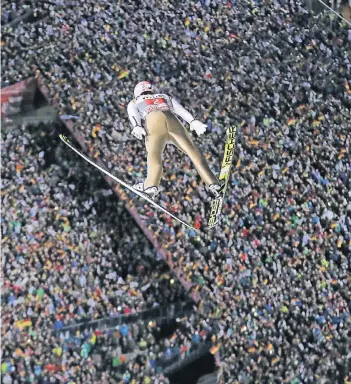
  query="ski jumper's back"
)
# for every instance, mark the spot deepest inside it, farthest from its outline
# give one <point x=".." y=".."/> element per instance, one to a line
<point x="149" y="103"/>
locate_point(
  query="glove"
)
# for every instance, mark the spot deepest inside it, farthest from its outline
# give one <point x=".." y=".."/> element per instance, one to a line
<point x="198" y="127"/>
<point x="138" y="132"/>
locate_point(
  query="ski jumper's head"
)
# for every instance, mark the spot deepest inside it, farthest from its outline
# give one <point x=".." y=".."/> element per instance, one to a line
<point x="142" y="88"/>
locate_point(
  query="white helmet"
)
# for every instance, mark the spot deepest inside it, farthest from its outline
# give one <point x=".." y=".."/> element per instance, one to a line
<point x="143" y="86"/>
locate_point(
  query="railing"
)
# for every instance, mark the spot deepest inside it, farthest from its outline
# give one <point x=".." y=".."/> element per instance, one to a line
<point x="19" y="19"/>
<point x="163" y="312"/>
<point x="173" y="363"/>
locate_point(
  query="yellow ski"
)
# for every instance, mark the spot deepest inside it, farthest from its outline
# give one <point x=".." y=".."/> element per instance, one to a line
<point x="217" y="203"/>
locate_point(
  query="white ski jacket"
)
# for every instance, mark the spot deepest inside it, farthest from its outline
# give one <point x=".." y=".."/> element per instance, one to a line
<point x="139" y="108"/>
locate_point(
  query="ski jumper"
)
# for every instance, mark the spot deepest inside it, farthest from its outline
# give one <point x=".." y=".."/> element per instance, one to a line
<point x="162" y="126"/>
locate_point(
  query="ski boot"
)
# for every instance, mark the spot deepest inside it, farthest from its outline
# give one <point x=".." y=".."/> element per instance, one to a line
<point x="151" y="192"/>
<point x="216" y="189"/>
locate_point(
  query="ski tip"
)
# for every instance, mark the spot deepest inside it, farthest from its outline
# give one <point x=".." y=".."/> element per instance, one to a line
<point x="63" y="138"/>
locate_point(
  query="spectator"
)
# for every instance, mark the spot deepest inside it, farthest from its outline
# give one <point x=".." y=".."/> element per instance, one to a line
<point x="274" y="277"/>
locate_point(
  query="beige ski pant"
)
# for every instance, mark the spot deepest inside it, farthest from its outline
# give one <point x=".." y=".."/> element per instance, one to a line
<point x="163" y="127"/>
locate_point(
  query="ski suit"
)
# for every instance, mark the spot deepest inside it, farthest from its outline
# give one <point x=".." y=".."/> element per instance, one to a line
<point x="162" y="126"/>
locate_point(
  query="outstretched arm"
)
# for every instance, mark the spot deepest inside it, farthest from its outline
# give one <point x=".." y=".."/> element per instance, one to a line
<point x="182" y="112"/>
<point x="195" y="125"/>
<point x="133" y="115"/>
<point x="135" y="119"/>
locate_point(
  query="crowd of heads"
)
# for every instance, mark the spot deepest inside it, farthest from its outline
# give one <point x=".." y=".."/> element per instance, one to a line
<point x="274" y="276"/>
<point x="67" y="260"/>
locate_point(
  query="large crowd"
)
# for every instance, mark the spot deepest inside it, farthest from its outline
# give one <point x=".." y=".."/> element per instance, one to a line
<point x="274" y="277"/>
<point x="66" y="259"/>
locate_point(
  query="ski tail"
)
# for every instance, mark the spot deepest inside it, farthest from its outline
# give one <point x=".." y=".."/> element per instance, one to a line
<point x="224" y="174"/>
